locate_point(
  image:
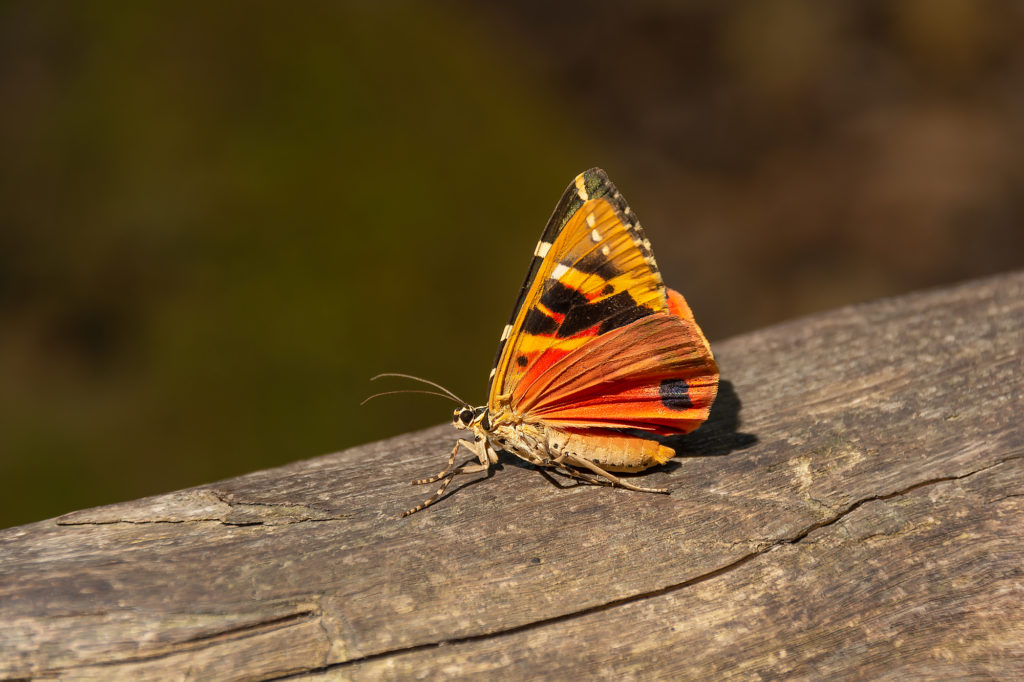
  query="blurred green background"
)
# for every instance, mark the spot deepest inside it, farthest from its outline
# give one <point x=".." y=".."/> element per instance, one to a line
<point x="218" y="220"/>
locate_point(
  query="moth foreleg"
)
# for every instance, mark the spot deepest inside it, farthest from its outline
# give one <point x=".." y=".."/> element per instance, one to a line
<point x="447" y="474"/>
<point x="447" y="471"/>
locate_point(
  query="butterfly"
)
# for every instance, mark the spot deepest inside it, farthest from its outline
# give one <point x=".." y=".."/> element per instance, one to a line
<point x="597" y="358"/>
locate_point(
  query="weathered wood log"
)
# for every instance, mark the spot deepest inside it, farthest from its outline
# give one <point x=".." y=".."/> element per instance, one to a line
<point x="854" y="509"/>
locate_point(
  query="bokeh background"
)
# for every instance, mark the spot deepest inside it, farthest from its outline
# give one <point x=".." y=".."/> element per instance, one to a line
<point x="218" y="220"/>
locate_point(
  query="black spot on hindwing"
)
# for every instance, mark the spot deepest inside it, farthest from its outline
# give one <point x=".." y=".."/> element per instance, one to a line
<point x="675" y="394"/>
<point x="522" y="361"/>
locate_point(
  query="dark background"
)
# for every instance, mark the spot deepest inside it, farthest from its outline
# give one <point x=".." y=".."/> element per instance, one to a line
<point x="218" y="220"/>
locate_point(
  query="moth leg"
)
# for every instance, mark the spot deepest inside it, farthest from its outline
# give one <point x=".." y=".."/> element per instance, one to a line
<point x="556" y="465"/>
<point x="580" y="476"/>
<point x="544" y="460"/>
<point x="554" y="481"/>
<point x="580" y="462"/>
<point x="447" y="474"/>
<point x="451" y="461"/>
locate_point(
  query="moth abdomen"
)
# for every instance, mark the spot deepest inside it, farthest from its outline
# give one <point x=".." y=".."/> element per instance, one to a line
<point x="616" y="452"/>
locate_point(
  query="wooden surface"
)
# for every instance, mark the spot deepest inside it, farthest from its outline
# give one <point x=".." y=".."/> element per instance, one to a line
<point x="854" y="509"/>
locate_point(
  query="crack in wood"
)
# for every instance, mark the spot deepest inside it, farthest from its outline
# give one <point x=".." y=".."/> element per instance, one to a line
<point x="203" y="641"/>
<point x="222" y="522"/>
<point x="274" y="514"/>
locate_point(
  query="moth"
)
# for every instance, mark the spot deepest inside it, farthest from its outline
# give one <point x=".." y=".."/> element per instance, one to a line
<point x="597" y="359"/>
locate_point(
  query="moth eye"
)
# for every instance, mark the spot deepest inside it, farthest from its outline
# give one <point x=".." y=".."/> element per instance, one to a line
<point x="466" y="416"/>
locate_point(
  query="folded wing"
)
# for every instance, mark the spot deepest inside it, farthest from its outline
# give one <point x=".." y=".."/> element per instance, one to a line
<point x="655" y="374"/>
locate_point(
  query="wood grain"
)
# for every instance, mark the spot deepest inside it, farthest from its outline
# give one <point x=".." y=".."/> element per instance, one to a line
<point x="854" y="509"/>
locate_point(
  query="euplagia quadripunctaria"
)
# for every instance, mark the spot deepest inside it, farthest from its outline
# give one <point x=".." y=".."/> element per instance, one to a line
<point x="598" y="353"/>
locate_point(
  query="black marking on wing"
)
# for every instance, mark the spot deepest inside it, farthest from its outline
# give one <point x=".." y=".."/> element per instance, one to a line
<point x="522" y="361"/>
<point x="611" y="313"/>
<point x="560" y="299"/>
<point x="627" y="316"/>
<point x="675" y="394"/>
<point x="596" y="262"/>
<point x="536" y="322"/>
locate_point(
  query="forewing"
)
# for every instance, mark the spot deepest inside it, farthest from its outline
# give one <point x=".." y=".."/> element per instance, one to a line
<point x="593" y="272"/>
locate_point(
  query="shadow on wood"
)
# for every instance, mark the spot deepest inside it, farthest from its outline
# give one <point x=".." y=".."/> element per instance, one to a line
<point x="859" y="514"/>
<point x="720" y="435"/>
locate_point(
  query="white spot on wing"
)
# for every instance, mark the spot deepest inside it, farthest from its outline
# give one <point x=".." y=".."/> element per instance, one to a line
<point x="591" y="220"/>
<point x="506" y="331"/>
<point x="542" y="249"/>
<point x="595" y="235"/>
<point x="581" y="189"/>
<point x="605" y="250"/>
<point x="559" y="270"/>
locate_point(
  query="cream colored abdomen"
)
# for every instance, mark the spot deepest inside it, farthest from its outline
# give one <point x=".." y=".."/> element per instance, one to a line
<point x="612" y="453"/>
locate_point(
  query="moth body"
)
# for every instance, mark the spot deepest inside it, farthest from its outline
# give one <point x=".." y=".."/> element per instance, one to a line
<point x="611" y="452"/>
<point x="545" y="445"/>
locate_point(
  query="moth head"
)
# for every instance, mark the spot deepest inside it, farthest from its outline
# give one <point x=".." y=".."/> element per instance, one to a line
<point x="466" y="417"/>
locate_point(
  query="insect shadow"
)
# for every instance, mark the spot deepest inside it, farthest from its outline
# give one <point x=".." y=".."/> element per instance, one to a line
<point x="720" y="434"/>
